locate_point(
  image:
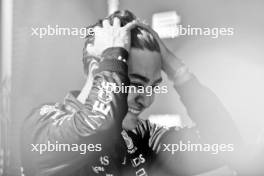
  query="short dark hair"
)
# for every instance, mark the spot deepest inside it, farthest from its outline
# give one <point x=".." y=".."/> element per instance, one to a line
<point x="141" y="38"/>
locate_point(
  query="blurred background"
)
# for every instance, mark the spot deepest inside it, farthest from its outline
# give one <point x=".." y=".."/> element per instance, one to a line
<point x="37" y="70"/>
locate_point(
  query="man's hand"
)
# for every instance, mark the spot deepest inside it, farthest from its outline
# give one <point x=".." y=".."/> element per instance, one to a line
<point x="112" y="36"/>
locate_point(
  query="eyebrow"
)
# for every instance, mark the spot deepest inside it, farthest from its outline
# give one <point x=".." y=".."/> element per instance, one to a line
<point x="137" y="76"/>
<point x="158" y="81"/>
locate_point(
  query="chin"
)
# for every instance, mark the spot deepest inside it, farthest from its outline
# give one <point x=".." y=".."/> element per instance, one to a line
<point x="130" y="121"/>
<point x="132" y="116"/>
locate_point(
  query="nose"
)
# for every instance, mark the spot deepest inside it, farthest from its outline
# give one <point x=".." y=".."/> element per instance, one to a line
<point x="144" y="100"/>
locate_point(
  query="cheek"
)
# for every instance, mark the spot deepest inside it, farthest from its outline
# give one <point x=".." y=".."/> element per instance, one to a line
<point x="152" y="98"/>
<point x="131" y="98"/>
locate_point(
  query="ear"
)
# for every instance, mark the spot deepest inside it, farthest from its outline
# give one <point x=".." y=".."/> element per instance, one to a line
<point x="93" y="66"/>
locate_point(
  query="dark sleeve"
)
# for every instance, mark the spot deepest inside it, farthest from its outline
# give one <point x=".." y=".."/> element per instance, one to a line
<point x="211" y="117"/>
<point x="214" y="123"/>
<point x="74" y="123"/>
<point x="213" y="120"/>
<point x="217" y="127"/>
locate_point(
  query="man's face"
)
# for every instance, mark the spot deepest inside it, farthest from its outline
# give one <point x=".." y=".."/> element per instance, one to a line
<point x="144" y="69"/>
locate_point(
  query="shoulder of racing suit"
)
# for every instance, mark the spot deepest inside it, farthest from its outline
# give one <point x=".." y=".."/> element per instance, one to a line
<point x="72" y="122"/>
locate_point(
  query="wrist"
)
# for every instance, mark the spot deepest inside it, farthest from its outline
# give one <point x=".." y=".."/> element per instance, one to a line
<point x="176" y="70"/>
<point x="181" y="76"/>
<point x="172" y="65"/>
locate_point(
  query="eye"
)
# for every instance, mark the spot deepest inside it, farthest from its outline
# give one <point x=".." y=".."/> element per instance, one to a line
<point x="155" y="85"/>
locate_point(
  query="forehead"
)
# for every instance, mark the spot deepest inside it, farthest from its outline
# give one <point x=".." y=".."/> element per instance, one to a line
<point x="145" y="63"/>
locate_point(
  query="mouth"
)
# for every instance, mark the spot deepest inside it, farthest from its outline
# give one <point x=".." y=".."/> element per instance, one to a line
<point x="134" y="111"/>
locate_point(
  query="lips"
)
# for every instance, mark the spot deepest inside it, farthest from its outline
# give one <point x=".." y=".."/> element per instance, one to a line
<point x="134" y="111"/>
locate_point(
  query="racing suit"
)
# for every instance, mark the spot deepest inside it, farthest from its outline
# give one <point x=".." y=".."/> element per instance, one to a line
<point x="113" y="151"/>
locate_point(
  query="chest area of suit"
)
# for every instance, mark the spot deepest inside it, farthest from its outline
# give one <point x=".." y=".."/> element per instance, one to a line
<point x="130" y="156"/>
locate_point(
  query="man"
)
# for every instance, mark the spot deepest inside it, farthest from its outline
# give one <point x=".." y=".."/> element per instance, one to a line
<point x="125" y="52"/>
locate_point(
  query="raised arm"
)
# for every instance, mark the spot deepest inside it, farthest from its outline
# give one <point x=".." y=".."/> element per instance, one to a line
<point x="212" y="120"/>
<point x="89" y="117"/>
